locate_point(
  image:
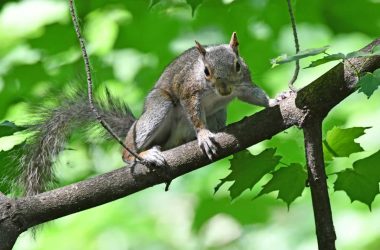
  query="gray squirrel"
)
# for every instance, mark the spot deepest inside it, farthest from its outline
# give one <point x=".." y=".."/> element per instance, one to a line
<point x="187" y="102"/>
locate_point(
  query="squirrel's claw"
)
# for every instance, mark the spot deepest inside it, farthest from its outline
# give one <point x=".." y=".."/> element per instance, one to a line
<point x="154" y="156"/>
<point x="207" y="143"/>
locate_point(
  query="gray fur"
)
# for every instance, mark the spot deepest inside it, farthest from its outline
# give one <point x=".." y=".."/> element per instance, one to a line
<point x="186" y="102"/>
<point x="51" y="131"/>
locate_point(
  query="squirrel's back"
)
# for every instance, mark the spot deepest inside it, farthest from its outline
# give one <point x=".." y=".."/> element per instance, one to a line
<point x="179" y="69"/>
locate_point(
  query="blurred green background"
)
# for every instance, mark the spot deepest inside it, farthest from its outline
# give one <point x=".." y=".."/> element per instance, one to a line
<point x="130" y="44"/>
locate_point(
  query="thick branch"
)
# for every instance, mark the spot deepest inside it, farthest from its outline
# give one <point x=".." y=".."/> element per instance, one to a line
<point x="10" y="228"/>
<point x="317" y="179"/>
<point x="319" y="97"/>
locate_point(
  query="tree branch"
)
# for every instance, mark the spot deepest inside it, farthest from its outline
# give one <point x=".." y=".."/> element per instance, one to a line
<point x="317" y="179"/>
<point x="318" y="97"/>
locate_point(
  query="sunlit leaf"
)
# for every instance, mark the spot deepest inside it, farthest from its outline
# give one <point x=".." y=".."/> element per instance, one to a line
<point x="362" y="182"/>
<point x="376" y="50"/>
<point x="247" y="170"/>
<point x="357" y="54"/>
<point x="9" y="128"/>
<point x="341" y="142"/>
<point x="326" y="59"/>
<point x="340" y="56"/>
<point x="369" y="83"/>
<point x="288" y="181"/>
<point x="302" y="54"/>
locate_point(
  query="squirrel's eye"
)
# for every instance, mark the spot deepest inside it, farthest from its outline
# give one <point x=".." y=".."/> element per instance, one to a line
<point x="207" y="72"/>
<point x="237" y="66"/>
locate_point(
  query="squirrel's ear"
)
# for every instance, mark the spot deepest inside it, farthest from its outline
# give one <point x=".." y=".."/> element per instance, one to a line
<point x="234" y="43"/>
<point x="200" y="48"/>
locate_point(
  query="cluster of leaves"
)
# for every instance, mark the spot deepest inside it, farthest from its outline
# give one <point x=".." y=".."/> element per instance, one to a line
<point x="247" y="170"/>
<point x="360" y="182"/>
<point x="326" y="59"/>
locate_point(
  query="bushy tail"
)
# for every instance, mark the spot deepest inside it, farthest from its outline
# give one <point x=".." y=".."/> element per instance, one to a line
<point x="52" y="129"/>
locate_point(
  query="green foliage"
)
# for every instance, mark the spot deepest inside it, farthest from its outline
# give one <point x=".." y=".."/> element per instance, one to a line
<point x="247" y="170"/>
<point x="340" y="56"/>
<point x="9" y="128"/>
<point x="341" y="142"/>
<point x="8" y="171"/>
<point x="302" y="54"/>
<point x="357" y="54"/>
<point x="362" y="182"/>
<point x="326" y="59"/>
<point x="289" y="181"/>
<point x="369" y="83"/>
<point x="39" y="54"/>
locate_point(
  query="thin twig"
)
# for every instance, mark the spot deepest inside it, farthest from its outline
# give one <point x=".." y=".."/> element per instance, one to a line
<point x="296" y="44"/>
<point x="89" y="81"/>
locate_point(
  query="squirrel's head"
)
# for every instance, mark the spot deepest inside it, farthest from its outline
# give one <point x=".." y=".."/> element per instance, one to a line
<point x="223" y="67"/>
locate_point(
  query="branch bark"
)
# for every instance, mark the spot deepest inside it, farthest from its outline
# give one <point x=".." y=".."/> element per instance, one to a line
<point x="318" y="186"/>
<point x="317" y="98"/>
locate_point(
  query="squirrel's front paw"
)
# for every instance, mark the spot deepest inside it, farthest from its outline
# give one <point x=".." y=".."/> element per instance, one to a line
<point x="154" y="156"/>
<point x="207" y="142"/>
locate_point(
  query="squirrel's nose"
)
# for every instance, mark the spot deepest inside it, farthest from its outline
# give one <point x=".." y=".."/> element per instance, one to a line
<point x="224" y="89"/>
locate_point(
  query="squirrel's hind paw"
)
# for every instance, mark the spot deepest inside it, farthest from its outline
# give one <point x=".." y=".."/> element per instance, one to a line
<point x="154" y="156"/>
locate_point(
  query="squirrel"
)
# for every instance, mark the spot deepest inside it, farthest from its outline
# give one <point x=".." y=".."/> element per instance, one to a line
<point x="187" y="102"/>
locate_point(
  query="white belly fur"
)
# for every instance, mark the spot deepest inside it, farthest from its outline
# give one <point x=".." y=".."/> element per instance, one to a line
<point x="182" y="130"/>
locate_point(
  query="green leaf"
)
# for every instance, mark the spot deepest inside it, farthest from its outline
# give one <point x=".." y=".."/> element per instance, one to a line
<point x="302" y="54"/>
<point x="288" y="181"/>
<point x="194" y="5"/>
<point x="358" y="54"/>
<point x="247" y="170"/>
<point x="341" y="142"/>
<point x="9" y="128"/>
<point x="369" y="83"/>
<point x="362" y="182"/>
<point x="369" y="166"/>
<point x="376" y="50"/>
<point x="326" y="59"/>
<point x="357" y="187"/>
<point x="340" y="56"/>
